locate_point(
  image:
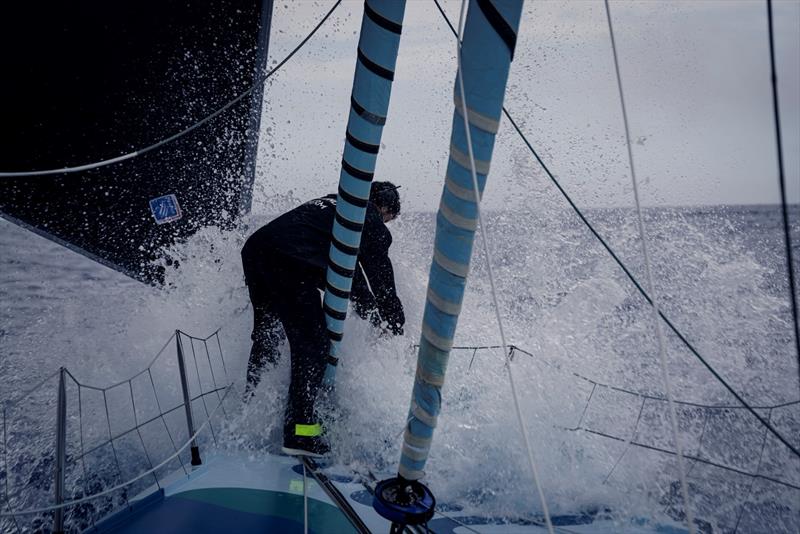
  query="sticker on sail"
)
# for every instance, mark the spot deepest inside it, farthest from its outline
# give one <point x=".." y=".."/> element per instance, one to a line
<point x="165" y="209"/>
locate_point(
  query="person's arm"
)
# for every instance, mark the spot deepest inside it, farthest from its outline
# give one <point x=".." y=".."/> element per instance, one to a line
<point x="364" y="302"/>
<point x="380" y="276"/>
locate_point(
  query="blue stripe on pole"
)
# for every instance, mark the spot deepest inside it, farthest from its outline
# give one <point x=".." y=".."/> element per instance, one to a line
<point x="453" y="242"/>
<point x="351" y="212"/>
<point x="485" y="65"/>
<point x="381" y="20"/>
<point x="354" y="186"/>
<point x="359" y="158"/>
<point x="465" y="208"/>
<point x="336" y="304"/>
<point x="463" y="177"/>
<point x="443" y="325"/>
<point x="334" y="325"/>
<point x="372" y="91"/>
<point x="435" y="365"/>
<point x="347" y="261"/>
<point x="482" y="142"/>
<point x="338" y="281"/>
<point x="359" y="114"/>
<point x="348" y="237"/>
<point x="447" y="286"/>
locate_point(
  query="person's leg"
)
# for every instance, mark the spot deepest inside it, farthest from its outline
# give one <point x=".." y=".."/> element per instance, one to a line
<point x="266" y="335"/>
<point x="304" y="323"/>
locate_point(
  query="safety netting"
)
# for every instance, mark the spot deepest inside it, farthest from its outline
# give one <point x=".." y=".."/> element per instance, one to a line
<point x="118" y="440"/>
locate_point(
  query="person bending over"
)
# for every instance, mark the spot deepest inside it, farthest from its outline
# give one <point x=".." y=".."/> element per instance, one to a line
<point x="285" y="265"/>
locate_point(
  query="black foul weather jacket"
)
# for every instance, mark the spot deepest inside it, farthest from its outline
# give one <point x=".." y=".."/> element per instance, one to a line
<point x="303" y="235"/>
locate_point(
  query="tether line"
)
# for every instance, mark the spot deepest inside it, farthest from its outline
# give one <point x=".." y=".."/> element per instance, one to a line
<point x="131" y="155"/>
<point x="782" y="181"/>
<point x="630" y="276"/>
<point x="662" y="349"/>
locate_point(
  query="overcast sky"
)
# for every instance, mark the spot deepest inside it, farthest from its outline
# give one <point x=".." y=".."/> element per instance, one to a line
<point x="696" y="76"/>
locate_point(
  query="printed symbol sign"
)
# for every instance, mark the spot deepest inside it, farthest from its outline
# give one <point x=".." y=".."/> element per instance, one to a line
<point x="165" y="209"/>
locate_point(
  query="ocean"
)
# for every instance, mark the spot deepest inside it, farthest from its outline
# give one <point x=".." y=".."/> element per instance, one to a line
<point x="587" y="369"/>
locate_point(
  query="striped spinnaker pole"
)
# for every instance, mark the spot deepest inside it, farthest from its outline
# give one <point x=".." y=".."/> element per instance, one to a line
<point x="369" y="102"/>
<point x="490" y="34"/>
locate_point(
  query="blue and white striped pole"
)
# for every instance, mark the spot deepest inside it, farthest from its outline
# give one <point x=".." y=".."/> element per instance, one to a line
<point x="378" y="44"/>
<point x="486" y="53"/>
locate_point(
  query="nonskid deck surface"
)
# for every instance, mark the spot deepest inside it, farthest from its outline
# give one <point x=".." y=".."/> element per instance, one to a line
<point x="242" y="493"/>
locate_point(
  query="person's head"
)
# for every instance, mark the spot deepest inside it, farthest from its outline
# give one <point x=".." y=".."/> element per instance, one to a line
<point x="386" y="198"/>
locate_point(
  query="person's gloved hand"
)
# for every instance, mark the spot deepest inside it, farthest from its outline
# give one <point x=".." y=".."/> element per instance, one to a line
<point x="394" y="329"/>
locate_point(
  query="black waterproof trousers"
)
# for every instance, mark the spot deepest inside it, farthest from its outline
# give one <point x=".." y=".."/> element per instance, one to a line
<point x="284" y="291"/>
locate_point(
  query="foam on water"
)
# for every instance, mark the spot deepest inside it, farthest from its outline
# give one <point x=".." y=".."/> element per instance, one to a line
<point x="562" y="300"/>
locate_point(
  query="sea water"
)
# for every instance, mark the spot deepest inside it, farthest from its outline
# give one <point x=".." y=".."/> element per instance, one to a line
<point x="720" y="275"/>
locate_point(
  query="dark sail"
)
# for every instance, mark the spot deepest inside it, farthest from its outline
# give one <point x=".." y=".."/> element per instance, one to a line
<point x="91" y="80"/>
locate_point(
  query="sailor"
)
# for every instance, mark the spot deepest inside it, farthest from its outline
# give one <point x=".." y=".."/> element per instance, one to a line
<point x="285" y="265"/>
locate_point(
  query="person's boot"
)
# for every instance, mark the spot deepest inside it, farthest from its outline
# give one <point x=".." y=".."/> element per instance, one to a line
<point x="305" y="440"/>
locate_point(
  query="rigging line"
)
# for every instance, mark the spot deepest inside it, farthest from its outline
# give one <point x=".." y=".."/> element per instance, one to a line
<point x="200" y="385"/>
<point x="112" y="489"/>
<point x="82" y="457"/>
<point x="305" y="500"/>
<point x="630" y="391"/>
<point x="633" y="280"/>
<point x="113" y="448"/>
<point x="166" y="427"/>
<point x="752" y="482"/>
<point x="689" y="456"/>
<point x="782" y="181"/>
<point x="135" y="153"/>
<point x="662" y="349"/>
<point x="139" y="432"/>
<point x="13" y="403"/>
<point x="144" y="423"/>
<point x="334" y="494"/>
<point x="121" y="382"/>
<point x="221" y="356"/>
<point x="7" y="471"/>
<point x="476" y="189"/>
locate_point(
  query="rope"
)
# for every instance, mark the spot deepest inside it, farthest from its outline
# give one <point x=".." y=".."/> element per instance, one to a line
<point x="113" y="449"/>
<point x="627" y="442"/>
<point x="630" y="276"/>
<point x="135" y="153"/>
<point x="649" y="396"/>
<point x="752" y="482"/>
<point x="487" y="252"/>
<point x="152" y="419"/>
<point x="139" y="432"/>
<point x="662" y="350"/>
<point x="305" y="500"/>
<point x="164" y="422"/>
<point x="7" y="471"/>
<point x="787" y="236"/>
<point x="708" y="408"/>
<point x="32" y="511"/>
<point x="200" y="385"/>
<point x="83" y="457"/>
<point x="689" y="456"/>
<point x="214" y="378"/>
<point x="132" y="377"/>
<point x="13" y="403"/>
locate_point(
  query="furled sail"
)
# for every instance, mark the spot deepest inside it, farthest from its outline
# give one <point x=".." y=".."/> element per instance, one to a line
<point x="369" y="103"/>
<point x="486" y="52"/>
